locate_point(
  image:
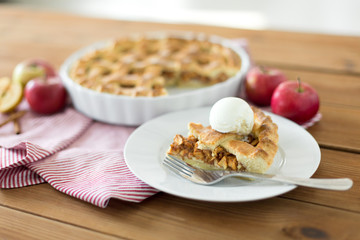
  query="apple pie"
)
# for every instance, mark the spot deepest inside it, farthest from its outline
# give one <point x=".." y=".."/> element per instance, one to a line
<point x="146" y="67"/>
<point x="208" y="149"/>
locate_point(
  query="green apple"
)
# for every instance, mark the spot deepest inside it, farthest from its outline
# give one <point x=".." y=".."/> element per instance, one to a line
<point x="30" y="69"/>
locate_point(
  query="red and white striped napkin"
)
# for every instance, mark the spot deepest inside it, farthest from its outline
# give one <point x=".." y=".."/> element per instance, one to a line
<point x="72" y="153"/>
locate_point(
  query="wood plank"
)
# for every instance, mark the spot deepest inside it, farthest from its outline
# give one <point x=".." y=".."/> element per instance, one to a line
<point x="339" y="128"/>
<point x="333" y="89"/>
<point x="339" y="104"/>
<point x="20" y="225"/>
<point x="54" y="36"/>
<point x="167" y="217"/>
<point x="334" y="164"/>
<point x="307" y="51"/>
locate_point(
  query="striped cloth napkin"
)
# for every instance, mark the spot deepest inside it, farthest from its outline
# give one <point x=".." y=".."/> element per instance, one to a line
<point x="72" y="153"/>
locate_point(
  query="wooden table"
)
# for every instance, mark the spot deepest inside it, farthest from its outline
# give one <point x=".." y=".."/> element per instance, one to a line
<point x="331" y="64"/>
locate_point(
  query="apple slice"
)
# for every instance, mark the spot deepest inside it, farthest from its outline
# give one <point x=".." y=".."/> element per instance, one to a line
<point x="11" y="94"/>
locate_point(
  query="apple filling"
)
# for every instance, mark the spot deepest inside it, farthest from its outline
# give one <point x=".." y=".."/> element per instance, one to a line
<point x="188" y="150"/>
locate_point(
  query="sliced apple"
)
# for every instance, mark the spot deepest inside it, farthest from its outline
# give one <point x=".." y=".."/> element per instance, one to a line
<point x="11" y="94"/>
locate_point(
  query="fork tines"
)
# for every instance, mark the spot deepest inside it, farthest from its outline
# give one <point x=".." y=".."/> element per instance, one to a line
<point x="178" y="166"/>
<point x="195" y="175"/>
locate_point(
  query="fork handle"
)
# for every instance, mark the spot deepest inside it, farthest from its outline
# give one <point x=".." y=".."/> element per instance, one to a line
<point x="322" y="183"/>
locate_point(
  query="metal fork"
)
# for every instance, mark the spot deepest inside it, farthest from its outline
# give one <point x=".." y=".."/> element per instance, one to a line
<point x="209" y="177"/>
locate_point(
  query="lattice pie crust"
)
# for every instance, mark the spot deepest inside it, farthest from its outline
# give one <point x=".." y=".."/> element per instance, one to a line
<point x="146" y="67"/>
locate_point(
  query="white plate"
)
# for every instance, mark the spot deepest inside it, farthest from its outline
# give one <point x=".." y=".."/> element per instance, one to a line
<point x="298" y="156"/>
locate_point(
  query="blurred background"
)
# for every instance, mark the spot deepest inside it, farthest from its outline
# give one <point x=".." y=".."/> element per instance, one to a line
<point x="339" y="17"/>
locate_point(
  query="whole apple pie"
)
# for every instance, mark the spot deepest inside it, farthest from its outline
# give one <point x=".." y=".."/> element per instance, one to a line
<point x="146" y="67"/>
<point x="209" y="149"/>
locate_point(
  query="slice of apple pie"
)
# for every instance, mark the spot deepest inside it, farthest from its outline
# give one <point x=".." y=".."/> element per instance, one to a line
<point x="209" y="149"/>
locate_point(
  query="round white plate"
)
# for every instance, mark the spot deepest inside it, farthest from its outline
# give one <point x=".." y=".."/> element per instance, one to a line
<point x="298" y="156"/>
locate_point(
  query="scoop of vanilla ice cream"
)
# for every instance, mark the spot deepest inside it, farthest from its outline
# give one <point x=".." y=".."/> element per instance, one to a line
<point x="233" y="115"/>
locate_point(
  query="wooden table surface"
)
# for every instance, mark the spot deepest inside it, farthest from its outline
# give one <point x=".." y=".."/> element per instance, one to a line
<point x="331" y="64"/>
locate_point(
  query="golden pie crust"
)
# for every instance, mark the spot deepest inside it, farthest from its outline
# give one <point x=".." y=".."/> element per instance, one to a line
<point x="146" y="67"/>
<point x="253" y="153"/>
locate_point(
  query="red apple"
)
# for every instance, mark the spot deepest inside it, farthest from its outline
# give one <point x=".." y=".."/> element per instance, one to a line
<point x="295" y="100"/>
<point x="261" y="83"/>
<point x="32" y="68"/>
<point x="45" y="95"/>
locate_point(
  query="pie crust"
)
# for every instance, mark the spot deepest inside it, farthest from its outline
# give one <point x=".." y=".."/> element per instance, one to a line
<point x="207" y="148"/>
<point x="146" y="67"/>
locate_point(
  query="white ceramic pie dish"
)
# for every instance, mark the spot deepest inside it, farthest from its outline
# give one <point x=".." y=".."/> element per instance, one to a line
<point x="133" y="111"/>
